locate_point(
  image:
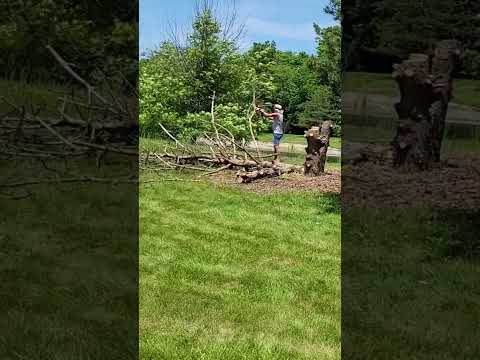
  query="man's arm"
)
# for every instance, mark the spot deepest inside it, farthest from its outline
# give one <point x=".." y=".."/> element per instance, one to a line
<point x="269" y="115"/>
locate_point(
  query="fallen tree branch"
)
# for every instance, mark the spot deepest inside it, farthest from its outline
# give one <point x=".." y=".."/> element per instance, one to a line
<point x="228" y="166"/>
<point x="106" y="148"/>
<point x="170" y="135"/>
<point x="277" y="170"/>
<point x="66" y="180"/>
<point x="56" y="133"/>
<point x="68" y="68"/>
<point x="250" y="125"/>
<point x="212" y="113"/>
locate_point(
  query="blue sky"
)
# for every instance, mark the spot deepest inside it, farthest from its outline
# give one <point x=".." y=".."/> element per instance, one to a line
<point x="288" y="22"/>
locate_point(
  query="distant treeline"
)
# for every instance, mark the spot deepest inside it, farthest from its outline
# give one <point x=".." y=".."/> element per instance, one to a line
<point x="379" y="32"/>
<point x="99" y="39"/>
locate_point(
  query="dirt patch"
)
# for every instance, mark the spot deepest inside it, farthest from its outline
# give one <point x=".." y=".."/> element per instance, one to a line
<point x="454" y="184"/>
<point x="330" y="182"/>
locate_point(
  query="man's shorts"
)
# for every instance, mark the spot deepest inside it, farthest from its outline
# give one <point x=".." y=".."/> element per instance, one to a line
<point x="277" y="138"/>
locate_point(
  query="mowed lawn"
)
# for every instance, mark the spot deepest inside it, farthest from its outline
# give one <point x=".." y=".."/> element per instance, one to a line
<point x="68" y="265"/>
<point x="410" y="284"/>
<point x="466" y="91"/>
<point x="226" y="274"/>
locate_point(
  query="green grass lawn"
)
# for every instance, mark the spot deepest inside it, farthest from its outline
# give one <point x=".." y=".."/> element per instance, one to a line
<point x="335" y="142"/>
<point x="453" y="145"/>
<point x="228" y="275"/>
<point x="68" y="263"/>
<point x="410" y="281"/>
<point x="466" y="92"/>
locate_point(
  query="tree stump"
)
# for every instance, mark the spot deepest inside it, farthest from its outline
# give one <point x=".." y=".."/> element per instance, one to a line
<point x="318" y="140"/>
<point x="425" y="88"/>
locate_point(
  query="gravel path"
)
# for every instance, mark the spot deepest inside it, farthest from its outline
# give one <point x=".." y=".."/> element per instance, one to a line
<point x="296" y="148"/>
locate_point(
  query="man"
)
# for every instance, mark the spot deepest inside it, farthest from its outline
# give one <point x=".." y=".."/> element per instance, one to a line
<point x="277" y="126"/>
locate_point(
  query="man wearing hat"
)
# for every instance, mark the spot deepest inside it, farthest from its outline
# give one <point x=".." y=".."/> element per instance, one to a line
<point x="277" y="126"/>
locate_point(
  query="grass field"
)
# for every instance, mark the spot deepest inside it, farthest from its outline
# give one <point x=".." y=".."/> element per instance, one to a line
<point x="231" y="275"/>
<point x="410" y="283"/>
<point x="455" y="144"/>
<point x="69" y="263"/>
<point x="466" y="92"/>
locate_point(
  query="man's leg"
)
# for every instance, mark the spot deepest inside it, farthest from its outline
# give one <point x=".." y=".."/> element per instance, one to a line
<point x="276" y="148"/>
<point x="275" y="151"/>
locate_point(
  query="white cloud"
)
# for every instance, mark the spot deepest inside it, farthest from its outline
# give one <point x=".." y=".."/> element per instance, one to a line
<point x="303" y="31"/>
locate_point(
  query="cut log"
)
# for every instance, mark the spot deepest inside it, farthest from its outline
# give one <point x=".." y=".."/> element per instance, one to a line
<point x="425" y="91"/>
<point x="265" y="172"/>
<point x="318" y="140"/>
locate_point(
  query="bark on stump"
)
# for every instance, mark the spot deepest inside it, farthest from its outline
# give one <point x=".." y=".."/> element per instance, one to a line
<point x="425" y="89"/>
<point x="318" y="140"/>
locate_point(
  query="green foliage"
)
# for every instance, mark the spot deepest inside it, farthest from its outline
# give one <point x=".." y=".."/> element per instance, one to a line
<point x="100" y="38"/>
<point x="207" y="56"/>
<point x="334" y="8"/>
<point x="329" y="57"/>
<point x="258" y="72"/>
<point x="177" y="82"/>
<point x="325" y="101"/>
<point x="322" y="105"/>
<point x="410" y="26"/>
<point x="471" y="64"/>
<point x="295" y="81"/>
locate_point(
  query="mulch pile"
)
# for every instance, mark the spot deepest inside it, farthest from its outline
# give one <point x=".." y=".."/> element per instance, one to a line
<point x="454" y="184"/>
<point x="330" y="182"/>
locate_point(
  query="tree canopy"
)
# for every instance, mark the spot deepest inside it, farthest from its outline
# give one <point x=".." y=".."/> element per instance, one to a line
<point x="400" y="27"/>
<point x="178" y="80"/>
<point x="98" y="37"/>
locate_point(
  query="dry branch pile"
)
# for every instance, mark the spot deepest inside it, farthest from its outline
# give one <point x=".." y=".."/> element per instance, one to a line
<point x="219" y="155"/>
<point x="79" y="125"/>
<point x="222" y="152"/>
<point x="83" y="124"/>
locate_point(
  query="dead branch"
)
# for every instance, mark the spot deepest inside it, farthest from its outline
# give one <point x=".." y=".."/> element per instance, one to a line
<point x="212" y="112"/>
<point x="66" y="180"/>
<point x="107" y="148"/>
<point x="171" y="136"/>
<point x="68" y="68"/>
<point x="250" y="126"/>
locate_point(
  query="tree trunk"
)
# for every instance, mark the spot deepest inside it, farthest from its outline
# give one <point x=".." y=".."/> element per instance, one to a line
<point x="425" y="90"/>
<point x="317" y="145"/>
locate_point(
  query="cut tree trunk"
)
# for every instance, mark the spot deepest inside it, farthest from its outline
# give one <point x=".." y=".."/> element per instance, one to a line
<point x="425" y="89"/>
<point x="318" y="140"/>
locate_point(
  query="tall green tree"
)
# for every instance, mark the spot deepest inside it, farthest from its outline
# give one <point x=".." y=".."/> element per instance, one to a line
<point x="325" y="101"/>
<point x="334" y="8"/>
<point x="207" y="56"/>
